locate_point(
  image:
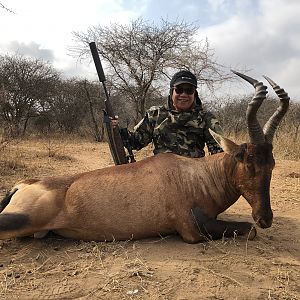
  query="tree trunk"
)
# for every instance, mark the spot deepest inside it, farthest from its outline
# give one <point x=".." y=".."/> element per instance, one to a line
<point x="98" y="134"/>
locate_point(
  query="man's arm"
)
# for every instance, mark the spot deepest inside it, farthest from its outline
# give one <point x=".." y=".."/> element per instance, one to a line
<point x="142" y="135"/>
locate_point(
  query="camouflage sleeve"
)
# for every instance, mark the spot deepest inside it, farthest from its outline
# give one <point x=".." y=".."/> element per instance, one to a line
<point x="142" y="133"/>
<point x="212" y="123"/>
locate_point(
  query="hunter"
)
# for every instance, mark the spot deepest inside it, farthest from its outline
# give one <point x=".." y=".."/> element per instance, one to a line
<point x="181" y="126"/>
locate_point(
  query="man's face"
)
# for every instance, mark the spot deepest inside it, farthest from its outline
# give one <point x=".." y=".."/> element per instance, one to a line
<point x="183" y="96"/>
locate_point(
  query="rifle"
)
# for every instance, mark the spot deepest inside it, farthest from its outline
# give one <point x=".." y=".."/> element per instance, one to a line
<point x="115" y="141"/>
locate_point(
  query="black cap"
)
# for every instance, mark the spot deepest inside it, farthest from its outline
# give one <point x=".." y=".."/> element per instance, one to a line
<point x="183" y="77"/>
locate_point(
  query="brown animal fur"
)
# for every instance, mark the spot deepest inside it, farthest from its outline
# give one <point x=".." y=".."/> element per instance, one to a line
<point x="148" y="198"/>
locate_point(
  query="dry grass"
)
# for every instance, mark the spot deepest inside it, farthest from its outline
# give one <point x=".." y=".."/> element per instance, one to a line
<point x="60" y="269"/>
<point x="285" y="146"/>
<point x="161" y="268"/>
<point x="39" y="157"/>
<point x="70" y="262"/>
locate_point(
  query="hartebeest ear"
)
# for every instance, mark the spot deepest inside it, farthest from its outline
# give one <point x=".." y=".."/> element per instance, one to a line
<point x="226" y="144"/>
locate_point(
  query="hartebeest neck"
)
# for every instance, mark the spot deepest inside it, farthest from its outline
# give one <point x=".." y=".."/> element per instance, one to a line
<point x="223" y="169"/>
<point x="211" y="182"/>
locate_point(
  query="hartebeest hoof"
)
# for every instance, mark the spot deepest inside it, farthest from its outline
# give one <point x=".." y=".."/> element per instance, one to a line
<point x="216" y="229"/>
<point x="247" y="230"/>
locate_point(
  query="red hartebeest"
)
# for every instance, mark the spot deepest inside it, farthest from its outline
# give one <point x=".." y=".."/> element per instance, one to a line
<point x="160" y="195"/>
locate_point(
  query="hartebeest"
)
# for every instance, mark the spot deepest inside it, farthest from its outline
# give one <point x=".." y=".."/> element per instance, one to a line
<point x="159" y="195"/>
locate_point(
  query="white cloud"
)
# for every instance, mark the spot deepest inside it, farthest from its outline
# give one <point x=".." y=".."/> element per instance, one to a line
<point x="261" y="35"/>
<point x="44" y="28"/>
<point x="31" y="49"/>
<point x="267" y="43"/>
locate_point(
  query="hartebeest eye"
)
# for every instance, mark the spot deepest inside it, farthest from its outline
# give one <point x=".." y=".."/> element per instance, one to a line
<point x="239" y="157"/>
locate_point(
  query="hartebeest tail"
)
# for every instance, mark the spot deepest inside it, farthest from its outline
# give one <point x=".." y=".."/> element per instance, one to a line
<point x="160" y="195"/>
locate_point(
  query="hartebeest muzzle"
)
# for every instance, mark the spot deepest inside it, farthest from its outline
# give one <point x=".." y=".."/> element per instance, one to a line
<point x="264" y="220"/>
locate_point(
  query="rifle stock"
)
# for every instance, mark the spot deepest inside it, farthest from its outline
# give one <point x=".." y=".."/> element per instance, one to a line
<point x="113" y="134"/>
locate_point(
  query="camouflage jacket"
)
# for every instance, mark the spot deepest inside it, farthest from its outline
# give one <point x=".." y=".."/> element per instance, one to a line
<point x="182" y="133"/>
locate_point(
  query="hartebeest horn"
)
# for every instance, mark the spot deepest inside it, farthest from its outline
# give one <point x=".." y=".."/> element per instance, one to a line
<point x="272" y="124"/>
<point x="255" y="131"/>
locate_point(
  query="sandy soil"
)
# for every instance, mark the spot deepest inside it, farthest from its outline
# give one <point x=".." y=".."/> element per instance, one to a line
<point x="162" y="268"/>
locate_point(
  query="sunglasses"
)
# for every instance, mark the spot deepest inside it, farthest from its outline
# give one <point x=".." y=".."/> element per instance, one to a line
<point x="181" y="90"/>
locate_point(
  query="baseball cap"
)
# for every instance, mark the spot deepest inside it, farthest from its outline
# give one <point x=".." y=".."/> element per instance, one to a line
<point x="183" y="76"/>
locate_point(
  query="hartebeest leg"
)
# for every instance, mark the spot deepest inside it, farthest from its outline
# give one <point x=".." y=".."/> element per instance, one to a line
<point x="215" y="229"/>
<point x="10" y="222"/>
<point x="27" y="211"/>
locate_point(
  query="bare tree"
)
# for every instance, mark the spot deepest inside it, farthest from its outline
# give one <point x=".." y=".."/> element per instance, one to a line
<point x="93" y="99"/>
<point x="141" y="56"/>
<point x="68" y="106"/>
<point x="5" y="8"/>
<point x="293" y="121"/>
<point x="24" y="83"/>
<point x="231" y="114"/>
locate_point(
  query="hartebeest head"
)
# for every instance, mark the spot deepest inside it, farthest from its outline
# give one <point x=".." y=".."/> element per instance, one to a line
<point x="255" y="160"/>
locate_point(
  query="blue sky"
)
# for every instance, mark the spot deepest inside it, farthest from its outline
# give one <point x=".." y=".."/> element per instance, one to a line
<point x="260" y="35"/>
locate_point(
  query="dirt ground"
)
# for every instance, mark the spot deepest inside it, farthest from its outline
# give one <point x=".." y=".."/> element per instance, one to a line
<point x="159" y="268"/>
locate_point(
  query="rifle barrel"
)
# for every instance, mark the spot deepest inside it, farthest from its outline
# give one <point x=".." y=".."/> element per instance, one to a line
<point x="101" y="76"/>
<point x="115" y="140"/>
<point x="97" y="61"/>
